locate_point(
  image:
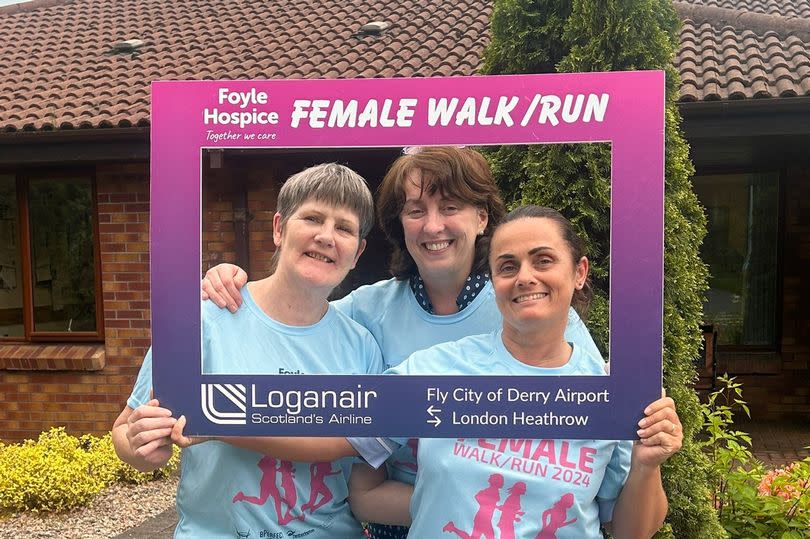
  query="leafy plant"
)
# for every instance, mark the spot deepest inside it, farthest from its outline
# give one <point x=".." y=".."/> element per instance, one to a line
<point x="751" y="502"/>
<point x="59" y="471"/>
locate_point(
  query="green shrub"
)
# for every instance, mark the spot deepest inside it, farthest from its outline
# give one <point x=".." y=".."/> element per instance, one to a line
<point x="59" y="471"/>
<point x="750" y="500"/>
<point x="545" y="36"/>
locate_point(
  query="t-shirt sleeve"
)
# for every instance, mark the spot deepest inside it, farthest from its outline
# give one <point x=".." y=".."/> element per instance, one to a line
<point x="375" y="451"/>
<point x="577" y="332"/>
<point x="143" y="385"/>
<point x="374" y="355"/>
<point x="345" y="305"/>
<point x="419" y="362"/>
<point x="615" y="477"/>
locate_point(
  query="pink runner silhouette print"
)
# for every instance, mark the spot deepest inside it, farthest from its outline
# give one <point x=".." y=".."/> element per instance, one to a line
<point x="487" y="499"/>
<point x="319" y="471"/>
<point x="267" y="484"/>
<point x="553" y="519"/>
<point x="510" y="510"/>
<point x="290" y="495"/>
<point x="269" y="489"/>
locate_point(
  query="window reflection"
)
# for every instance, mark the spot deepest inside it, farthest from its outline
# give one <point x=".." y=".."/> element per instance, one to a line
<point x="740" y="249"/>
<point x="11" y="296"/>
<point x="60" y="217"/>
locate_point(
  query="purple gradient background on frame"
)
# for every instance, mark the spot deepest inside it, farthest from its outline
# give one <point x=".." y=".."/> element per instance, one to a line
<point x="634" y="125"/>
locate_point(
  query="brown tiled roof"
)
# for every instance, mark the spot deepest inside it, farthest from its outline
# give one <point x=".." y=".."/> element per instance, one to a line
<point x="783" y="8"/>
<point x="58" y="71"/>
<point x="758" y="49"/>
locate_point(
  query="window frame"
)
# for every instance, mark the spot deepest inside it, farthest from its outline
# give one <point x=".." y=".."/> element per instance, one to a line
<point x="23" y="179"/>
<point x="781" y="173"/>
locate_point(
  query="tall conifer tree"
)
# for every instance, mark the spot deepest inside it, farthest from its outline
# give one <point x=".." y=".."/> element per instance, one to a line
<point x="543" y="36"/>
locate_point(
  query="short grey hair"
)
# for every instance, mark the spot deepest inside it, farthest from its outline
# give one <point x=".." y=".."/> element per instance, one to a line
<point x="333" y="184"/>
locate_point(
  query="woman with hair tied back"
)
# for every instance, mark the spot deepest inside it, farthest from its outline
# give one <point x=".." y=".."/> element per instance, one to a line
<point x="525" y="489"/>
<point x="437" y="207"/>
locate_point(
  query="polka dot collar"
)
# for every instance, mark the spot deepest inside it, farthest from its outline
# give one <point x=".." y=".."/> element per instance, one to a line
<point x="474" y="284"/>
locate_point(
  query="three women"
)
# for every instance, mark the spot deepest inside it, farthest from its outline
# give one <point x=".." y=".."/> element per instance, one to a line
<point x="438" y="207"/>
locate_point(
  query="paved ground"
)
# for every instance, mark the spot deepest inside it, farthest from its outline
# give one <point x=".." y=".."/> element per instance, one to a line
<point x="778" y="444"/>
<point x="774" y="443"/>
<point x="159" y="527"/>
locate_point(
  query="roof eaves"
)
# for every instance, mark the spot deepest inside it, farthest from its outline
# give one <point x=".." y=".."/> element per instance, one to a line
<point x="74" y="134"/>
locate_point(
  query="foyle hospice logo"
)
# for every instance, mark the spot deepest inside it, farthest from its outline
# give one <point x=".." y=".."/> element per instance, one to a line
<point x="226" y="404"/>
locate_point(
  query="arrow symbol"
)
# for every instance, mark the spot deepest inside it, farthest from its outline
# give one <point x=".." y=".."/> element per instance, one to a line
<point x="434" y="419"/>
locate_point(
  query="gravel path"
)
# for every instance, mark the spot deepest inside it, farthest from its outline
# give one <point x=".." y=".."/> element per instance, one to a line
<point x="113" y="511"/>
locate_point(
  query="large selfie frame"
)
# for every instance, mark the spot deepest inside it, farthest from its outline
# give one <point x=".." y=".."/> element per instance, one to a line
<point x="625" y="109"/>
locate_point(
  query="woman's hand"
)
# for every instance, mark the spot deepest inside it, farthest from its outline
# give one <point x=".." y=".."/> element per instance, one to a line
<point x="148" y="433"/>
<point x="221" y="285"/>
<point x="181" y="440"/>
<point x="660" y="433"/>
<point x="642" y="504"/>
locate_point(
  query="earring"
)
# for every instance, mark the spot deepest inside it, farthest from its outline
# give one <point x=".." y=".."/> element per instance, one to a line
<point x="481" y="232"/>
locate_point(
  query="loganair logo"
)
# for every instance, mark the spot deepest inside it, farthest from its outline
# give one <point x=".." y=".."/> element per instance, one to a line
<point x="235" y="394"/>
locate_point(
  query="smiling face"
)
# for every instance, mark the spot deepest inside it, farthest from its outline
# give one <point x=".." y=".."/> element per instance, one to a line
<point x="439" y="232"/>
<point x="319" y="244"/>
<point x="534" y="274"/>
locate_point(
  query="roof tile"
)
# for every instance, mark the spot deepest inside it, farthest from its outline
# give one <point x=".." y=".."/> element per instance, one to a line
<point x="761" y="89"/>
<point x="737" y="90"/>
<point x="784" y="8"/>
<point x="52" y="55"/>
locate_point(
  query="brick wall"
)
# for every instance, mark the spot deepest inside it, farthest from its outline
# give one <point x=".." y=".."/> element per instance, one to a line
<point x="777" y="385"/>
<point x="262" y="196"/>
<point x="218" y="232"/>
<point x="239" y="201"/>
<point x="89" y="401"/>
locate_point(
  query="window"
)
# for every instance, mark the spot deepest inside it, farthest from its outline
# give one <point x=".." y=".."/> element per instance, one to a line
<point x="48" y="258"/>
<point x="741" y="252"/>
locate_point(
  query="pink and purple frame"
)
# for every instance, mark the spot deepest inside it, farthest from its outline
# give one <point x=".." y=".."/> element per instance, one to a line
<point x="632" y="122"/>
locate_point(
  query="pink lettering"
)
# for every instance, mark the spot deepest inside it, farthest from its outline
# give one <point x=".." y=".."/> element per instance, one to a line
<point x="545" y="448"/>
<point x="515" y="445"/>
<point x="585" y="458"/>
<point x="482" y="442"/>
<point x="564" y="457"/>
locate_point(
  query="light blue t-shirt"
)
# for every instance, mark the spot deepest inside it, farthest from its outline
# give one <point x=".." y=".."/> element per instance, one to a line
<point x="389" y="310"/>
<point x="516" y="489"/>
<point x="226" y="491"/>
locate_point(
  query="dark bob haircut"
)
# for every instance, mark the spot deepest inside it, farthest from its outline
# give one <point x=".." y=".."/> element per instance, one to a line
<point x="457" y="173"/>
